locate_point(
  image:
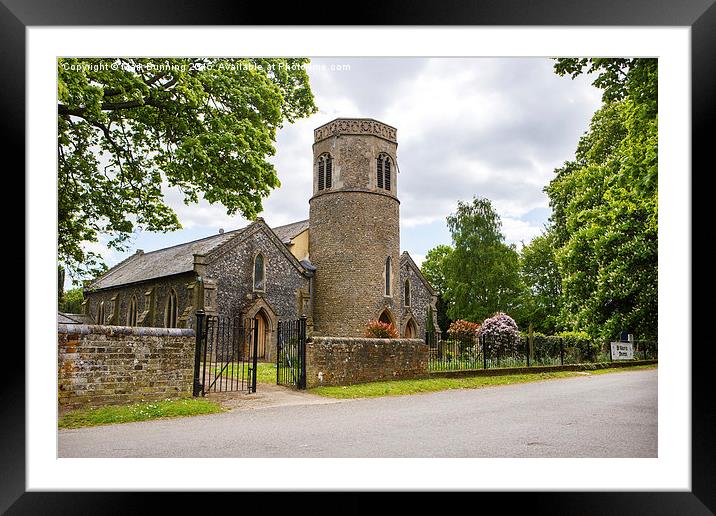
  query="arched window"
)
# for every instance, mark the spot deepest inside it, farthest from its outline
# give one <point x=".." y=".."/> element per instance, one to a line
<point x="100" y="313"/>
<point x="384" y="171"/>
<point x="132" y="312"/>
<point x="387" y="276"/>
<point x="259" y="273"/>
<point x="170" y="314"/>
<point x="406" y="302"/>
<point x="325" y="171"/>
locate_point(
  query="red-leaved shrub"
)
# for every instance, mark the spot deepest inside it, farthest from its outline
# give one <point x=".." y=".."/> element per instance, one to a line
<point x="381" y="330"/>
<point x="463" y="330"/>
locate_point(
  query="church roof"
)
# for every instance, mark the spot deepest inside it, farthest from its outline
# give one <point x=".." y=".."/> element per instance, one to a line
<point x="290" y="231"/>
<point x="177" y="259"/>
<point x="67" y="318"/>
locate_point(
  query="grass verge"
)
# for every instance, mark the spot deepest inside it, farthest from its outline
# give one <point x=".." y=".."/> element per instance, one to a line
<point x="401" y="387"/>
<point x="138" y="412"/>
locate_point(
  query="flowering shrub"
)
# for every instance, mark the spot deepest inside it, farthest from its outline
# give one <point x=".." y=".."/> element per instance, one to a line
<point x="381" y="330"/>
<point x="501" y="333"/>
<point x="463" y="330"/>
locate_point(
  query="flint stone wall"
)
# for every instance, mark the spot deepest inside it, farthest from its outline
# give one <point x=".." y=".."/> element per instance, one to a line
<point x="162" y="287"/>
<point x="421" y="299"/>
<point x="346" y="361"/>
<point x="111" y="365"/>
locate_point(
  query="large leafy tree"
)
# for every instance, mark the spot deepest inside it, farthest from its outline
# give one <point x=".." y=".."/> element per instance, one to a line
<point x="604" y="205"/>
<point x="482" y="271"/>
<point x="543" y="282"/>
<point x="127" y="127"/>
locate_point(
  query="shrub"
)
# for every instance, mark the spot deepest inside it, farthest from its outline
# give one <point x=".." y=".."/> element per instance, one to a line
<point x="579" y="346"/>
<point x="501" y="332"/>
<point x="463" y="330"/>
<point x="381" y="330"/>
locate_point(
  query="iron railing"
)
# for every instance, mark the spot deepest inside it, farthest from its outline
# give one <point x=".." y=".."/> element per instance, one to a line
<point x="488" y="353"/>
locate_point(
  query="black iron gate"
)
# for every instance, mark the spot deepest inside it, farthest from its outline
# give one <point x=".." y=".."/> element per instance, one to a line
<point x="225" y="355"/>
<point x="291" y="353"/>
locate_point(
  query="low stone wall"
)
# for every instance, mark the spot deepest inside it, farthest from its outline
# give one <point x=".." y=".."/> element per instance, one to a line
<point x="108" y="365"/>
<point x="345" y="361"/>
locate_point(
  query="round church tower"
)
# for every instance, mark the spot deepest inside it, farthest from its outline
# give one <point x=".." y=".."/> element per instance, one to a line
<point x="354" y="227"/>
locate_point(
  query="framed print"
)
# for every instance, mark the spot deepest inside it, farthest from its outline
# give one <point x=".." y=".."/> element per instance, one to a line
<point x="387" y="143"/>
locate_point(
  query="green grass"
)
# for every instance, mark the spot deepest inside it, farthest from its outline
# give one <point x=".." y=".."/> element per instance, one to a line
<point x="401" y="387"/>
<point x="138" y="412"/>
<point x="266" y="371"/>
<point x="617" y="369"/>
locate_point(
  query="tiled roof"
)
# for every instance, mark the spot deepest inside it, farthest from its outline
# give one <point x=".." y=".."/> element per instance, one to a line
<point x="177" y="259"/>
<point x="290" y="231"/>
<point x="64" y="318"/>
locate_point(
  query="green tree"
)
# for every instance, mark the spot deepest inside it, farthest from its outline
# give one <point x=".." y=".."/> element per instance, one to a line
<point x="127" y="127"/>
<point x="604" y="205"/>
<point x="433" y="268"/>
<point x="543" y="284"/>
<point x="71" y="302"/>
<point x="482" y="271"/>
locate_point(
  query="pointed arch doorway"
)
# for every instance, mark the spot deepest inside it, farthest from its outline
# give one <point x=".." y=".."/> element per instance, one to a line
<point x="411" y="329"/>
<point x="265" y="321"/>
<point x="264" y="329"/>
<point x="386" y="317"/>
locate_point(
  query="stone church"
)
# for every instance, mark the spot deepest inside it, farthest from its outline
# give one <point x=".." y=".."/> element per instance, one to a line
<point x="342" y="267"/>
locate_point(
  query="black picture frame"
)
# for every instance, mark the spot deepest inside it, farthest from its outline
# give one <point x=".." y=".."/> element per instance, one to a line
<point x="699" y="15"/>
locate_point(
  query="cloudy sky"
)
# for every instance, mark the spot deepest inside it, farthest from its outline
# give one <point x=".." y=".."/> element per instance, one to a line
<point x="494" y="128"/>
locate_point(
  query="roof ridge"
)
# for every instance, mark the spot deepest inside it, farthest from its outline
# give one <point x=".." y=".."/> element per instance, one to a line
<point x="194" y="241"/>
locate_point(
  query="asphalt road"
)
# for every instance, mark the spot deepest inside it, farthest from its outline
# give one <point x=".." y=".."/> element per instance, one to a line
<point x="610" y="415"/>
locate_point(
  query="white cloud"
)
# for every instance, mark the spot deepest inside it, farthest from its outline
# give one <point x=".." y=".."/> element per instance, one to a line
<point x="488" y="127"/>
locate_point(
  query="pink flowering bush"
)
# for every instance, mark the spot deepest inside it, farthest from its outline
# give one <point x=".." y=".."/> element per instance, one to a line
<point x="501" y="333"/>
<point x="463" y="330"/>
<point x="381" y="330"/>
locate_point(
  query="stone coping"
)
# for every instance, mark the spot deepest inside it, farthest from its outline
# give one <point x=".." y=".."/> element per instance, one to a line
<point x="362" y="340"/>
<point x="87" y="329"/>
<point x="355" y="126"/>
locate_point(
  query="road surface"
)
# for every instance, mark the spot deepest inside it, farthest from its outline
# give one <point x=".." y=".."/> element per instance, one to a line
<point x="609" y="415"/>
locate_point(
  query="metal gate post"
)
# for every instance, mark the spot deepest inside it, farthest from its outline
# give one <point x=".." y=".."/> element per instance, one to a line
<point x="484" y="352"/>
<point x="255" y="360"/>
<point x="199" y="332"/>
<point x="278" y="354"/>
<point x="302" y="353"/>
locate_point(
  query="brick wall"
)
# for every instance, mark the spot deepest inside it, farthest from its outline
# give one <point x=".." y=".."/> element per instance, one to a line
<point x="345" y="361"/>
<point x="107" y="365"/>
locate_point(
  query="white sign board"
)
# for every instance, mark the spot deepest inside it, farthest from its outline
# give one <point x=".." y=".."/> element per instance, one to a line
<point x="622" y="351"/>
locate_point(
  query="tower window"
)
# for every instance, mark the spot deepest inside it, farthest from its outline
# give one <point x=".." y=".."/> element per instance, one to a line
<point x="387" y="276"/>
<point x="259" y="273"/>
<point x="170" y="313"/>
<point x="325" y="171"/>
<point x="383" y="169"/>
<point x="380" y="173"/>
